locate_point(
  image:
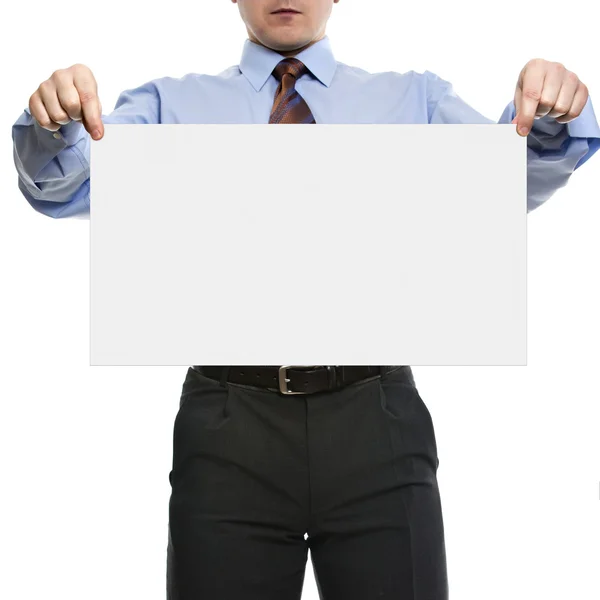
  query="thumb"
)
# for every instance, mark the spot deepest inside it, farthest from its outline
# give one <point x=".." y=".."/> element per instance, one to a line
<point x="92" y="118"/>
<point x="517" y="103"/>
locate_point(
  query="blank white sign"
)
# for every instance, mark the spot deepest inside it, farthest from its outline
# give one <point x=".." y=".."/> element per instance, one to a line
<point x="346" y="244"/>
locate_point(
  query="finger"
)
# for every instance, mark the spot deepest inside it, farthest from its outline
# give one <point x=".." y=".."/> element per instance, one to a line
<point x="579" y="102"/>
<point x="40" y="114"/>
<point x="566" y="95"/>
<point x="49" y="97"/>
<point x="552" y="86"/>
<point x="530" y="86"/>
<point x="90" y="104"/>
<point x="67" y="93"/>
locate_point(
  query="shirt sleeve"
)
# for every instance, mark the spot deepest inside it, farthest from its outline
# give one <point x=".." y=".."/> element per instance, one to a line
<point x="54" y="167"/>
<point x="554" y="150"/>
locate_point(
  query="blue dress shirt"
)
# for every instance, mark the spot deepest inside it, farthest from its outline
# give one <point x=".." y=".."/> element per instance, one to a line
<point x="54" y="170"/>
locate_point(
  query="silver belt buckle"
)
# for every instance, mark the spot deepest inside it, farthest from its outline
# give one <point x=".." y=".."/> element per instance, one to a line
<point x="283" y="380"/>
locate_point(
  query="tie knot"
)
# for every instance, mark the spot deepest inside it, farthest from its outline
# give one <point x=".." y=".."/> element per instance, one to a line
<point x="290" y="66"/>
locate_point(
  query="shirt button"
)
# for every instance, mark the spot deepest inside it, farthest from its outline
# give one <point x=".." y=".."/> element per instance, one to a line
<point x="57" y="136"/>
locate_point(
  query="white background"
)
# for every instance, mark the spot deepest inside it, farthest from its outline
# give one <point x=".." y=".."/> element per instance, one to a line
<point x="86" y="451"/>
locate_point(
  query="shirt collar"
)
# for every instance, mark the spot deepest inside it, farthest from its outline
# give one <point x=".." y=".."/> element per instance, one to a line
<point x="257" y="62"/>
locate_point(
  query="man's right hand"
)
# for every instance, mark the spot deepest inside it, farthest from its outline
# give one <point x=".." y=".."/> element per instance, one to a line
<point x="68" y="95"/>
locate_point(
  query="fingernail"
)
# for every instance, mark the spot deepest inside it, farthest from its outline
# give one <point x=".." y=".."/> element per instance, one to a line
<point x="96" y="134"/>
<point x="523" y="130"/>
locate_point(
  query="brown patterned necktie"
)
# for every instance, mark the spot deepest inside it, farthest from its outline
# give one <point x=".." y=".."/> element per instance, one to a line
<point x="289" y="105"/>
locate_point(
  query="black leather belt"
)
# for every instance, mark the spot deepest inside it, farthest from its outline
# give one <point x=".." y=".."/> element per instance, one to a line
<point x="297" y="379"/>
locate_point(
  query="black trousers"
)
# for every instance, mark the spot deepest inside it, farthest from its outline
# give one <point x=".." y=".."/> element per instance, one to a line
<point x="260" y="478"/>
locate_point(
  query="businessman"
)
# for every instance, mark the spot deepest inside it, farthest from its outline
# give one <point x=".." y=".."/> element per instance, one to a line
<point x="271" y="461"/>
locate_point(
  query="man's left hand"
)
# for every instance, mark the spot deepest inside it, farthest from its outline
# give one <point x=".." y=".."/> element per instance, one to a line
<point x="547" y="88"/>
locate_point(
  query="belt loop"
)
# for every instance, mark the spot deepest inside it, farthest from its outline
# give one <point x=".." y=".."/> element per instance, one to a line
<point x="224" y="375"/>
<point x="331" y="377"/>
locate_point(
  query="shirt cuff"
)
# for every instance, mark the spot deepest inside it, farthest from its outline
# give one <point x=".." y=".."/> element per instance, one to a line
<point x="586" y="124"/>
<point x="67" y="135"/>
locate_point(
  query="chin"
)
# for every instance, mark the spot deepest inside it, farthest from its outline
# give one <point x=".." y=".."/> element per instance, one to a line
<point x="284" y="39"/>
<point x="287" y="43"/>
